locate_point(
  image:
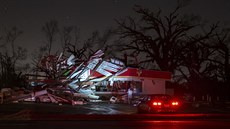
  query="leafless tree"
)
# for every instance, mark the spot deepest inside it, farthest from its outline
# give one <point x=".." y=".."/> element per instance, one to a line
<point x="158" y="39"/>
<point x="91" y="45"/>
<point x="221" y="44"/>
<point x="10" y="74"/>
<point x="51" y="30"/>
<point x="66" y="37"/>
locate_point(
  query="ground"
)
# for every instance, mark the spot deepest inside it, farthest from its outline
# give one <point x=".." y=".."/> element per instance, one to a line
<point x="105" y="115"/>
<point x="41" y="110"/>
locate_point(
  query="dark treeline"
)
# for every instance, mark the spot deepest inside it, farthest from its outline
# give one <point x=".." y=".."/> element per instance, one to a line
<point x="195" y="52"/>
<point x="10" y="56"/>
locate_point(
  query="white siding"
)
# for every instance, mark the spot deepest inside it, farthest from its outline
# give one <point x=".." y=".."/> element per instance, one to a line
<point x="154" y="86"/>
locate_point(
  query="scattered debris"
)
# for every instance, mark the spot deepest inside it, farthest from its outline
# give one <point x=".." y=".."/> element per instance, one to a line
<point x="73" y="82"/>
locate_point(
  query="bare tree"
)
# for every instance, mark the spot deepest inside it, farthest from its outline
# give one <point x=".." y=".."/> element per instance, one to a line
<point x="51" y="30"/>
<point x="221" y="44"/>
<point x="158" y="39"/>
<point x="66" y="37"/>
<point x="11" y="36"/>
<point x="10" y="75"/>
<point x="91" y="45"/>
<point x="175" y="42"/>
<point x="37" y="56"/>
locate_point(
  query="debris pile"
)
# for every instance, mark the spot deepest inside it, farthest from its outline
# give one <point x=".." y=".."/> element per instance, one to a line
<point x="72" y="80"/>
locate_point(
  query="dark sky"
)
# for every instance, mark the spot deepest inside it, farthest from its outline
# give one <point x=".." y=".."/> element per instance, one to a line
<point x="90" y="15"/>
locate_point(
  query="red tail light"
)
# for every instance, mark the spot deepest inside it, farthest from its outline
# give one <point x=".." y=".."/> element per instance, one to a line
<point x="156" y="103"/>
<point x="175" y="103"/>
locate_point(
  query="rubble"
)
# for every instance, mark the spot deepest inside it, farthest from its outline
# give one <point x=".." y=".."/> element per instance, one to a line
<point x="72" y="82"/>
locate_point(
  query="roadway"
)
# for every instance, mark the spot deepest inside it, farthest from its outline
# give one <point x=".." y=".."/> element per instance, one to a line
<point x="117" y="124"/>
<point x="104" y="115"/>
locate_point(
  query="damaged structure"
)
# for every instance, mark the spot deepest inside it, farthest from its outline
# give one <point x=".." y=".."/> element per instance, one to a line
<point x="76" y="82"/>
<point x="73" y="81"/>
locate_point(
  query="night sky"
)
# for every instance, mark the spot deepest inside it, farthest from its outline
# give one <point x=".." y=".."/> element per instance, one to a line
<point x="89" y="15"/>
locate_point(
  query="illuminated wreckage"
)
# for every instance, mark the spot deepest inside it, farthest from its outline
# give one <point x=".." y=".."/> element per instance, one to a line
<point x="75" y="80"/>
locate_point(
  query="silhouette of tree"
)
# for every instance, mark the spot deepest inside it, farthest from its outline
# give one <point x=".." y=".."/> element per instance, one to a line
<point x="91" y="45"/>
<point x="196" y="55"/>
<point x="10" y="75"/>
<point x="158" y="39"/>
<point x="69" y="37"/>
<point x="221" y="44"/>
<point x="51" y="30"/>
